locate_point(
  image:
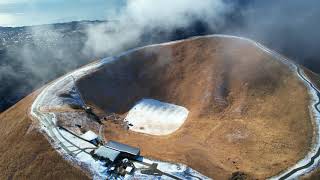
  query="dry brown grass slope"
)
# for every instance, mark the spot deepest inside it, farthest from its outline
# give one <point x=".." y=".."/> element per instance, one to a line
<point x="316" y="80"/>
<point x="25" y="153"/>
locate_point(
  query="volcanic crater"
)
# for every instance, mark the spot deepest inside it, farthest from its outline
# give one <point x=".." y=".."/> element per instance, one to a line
<point x="248" y="112"/>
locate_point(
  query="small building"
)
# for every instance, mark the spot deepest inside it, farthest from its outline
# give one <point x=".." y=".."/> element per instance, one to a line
<point x="92" y="137"/>
<point x="126" y="150"/>
<point x="89" y="135"/>
<point x="113" y="151"/>
<point x="106" y="154"/>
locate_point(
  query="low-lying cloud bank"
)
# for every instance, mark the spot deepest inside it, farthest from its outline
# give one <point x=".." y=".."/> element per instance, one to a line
<point x="141" y="16"/>
<point x="289" y="26"/>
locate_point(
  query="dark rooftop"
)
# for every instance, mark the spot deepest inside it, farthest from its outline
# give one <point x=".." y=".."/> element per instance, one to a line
<point x="123" y="148"/>
<point x="107" y="153"/>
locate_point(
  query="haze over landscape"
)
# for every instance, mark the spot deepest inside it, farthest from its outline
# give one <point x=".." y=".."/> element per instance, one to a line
<point x="136" y="23"/>
<point x="108" y="69"/>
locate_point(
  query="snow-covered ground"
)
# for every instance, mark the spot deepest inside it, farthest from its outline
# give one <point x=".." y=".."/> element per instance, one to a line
<point x="156" y="118"/>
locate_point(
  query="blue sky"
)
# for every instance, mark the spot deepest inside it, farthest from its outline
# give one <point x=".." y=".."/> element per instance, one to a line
<point x="33" y="12"/>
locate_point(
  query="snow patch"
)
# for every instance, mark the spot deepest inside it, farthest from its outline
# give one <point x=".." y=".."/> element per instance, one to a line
<point x="89" y="135"/>
<point x="156" y="118"/>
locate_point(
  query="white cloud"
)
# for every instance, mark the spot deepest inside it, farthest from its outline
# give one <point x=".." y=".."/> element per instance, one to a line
<point x="4" y="2"/>
<point x="172" y="13"/>
<point x="139" y="15"/>
<point x="7" y="19"/>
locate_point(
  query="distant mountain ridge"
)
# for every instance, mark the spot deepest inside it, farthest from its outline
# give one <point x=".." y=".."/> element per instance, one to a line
<point x="23" y="53"/>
